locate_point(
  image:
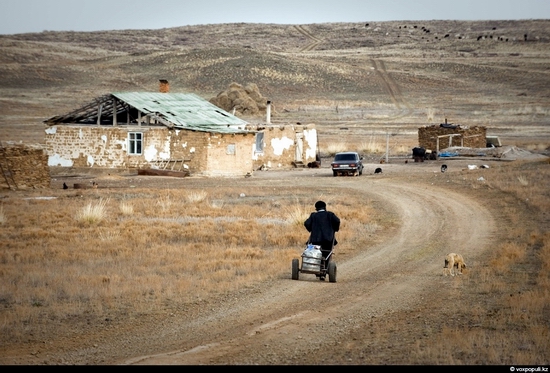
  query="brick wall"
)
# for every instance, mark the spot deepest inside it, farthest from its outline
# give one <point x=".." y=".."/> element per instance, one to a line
<point x="26" y="166"/>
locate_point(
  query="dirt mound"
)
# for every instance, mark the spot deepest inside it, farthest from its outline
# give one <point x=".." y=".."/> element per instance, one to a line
<point x="244" y="100"/>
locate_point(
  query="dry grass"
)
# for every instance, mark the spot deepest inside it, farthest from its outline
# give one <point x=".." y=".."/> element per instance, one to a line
<point x="62" y="258"/>
<point x="89" y="255"/>
<point x="104" y="253"/>
<point x="510" y="324"/>
<point x="93" y="212"/>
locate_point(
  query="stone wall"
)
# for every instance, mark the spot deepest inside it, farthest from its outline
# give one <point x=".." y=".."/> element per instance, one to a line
<point x="213" y="154"/>
<point x="230" y="154"/>
<point x="25" y="167"/>
<point x="103" y="146"/>
<point x="284" y="144"/>
<point x="198" y="152"/>
<point x="471" y="137"/>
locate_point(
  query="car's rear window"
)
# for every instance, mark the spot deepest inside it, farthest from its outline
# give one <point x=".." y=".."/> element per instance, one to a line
<point x="344" y="157"/>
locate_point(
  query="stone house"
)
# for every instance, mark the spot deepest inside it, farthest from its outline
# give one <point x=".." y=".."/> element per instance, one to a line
<point x="133" y="130"/>
<point x="24" y="166"/>
<point x="176" y="131"/>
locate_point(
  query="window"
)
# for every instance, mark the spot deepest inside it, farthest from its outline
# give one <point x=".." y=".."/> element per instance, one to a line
<point x="135" y="143"/>
<point x="259" y="142"/>
<point x="231" y="150"/>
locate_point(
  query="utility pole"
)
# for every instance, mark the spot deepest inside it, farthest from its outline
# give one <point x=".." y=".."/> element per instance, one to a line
<point x="387" y="145"/>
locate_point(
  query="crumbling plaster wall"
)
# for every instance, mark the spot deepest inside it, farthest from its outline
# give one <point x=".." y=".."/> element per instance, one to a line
<point x="106" y="147"/>
<point x="213" y="154"/>
<point x="229" y="155"/>
<point x="280" y="145"/>
<point x="202" y="153"/>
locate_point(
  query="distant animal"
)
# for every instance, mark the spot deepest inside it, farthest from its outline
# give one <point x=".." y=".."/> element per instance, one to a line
<point x="419" y="154"/>
<point x="94" y="185"/>
<point x="443" y="167"/>
<point x="454" y="264"/>
<point x="65" y="186"/>
<point x="378" y="171"/>
<point x="315" y="164"/>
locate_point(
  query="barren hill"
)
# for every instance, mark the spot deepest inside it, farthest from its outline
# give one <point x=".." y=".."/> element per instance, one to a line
<point x="397" y="74"/>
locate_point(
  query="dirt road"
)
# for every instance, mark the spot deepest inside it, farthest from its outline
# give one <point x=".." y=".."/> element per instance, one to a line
<point x="294" y="322"/>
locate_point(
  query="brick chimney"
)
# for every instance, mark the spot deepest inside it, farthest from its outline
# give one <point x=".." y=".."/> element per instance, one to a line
<point x="164" y="86"/>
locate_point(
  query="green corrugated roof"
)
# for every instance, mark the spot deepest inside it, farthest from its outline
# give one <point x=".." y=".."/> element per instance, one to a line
<point x="175" y="110"/>
<point x="184" y="110"/>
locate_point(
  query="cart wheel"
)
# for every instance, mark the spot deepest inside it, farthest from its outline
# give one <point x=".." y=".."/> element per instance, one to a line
<point x="295" y="272"/>
<point x="332" y="271"/>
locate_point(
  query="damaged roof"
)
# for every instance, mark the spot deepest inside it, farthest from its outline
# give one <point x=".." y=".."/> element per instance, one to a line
<point x="174" y="110"/>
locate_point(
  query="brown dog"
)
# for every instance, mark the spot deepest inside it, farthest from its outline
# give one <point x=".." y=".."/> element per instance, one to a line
<point x="453" y="261"/>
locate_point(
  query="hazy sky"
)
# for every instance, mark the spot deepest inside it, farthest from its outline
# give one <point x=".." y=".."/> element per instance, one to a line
<point x="20" y="16"/>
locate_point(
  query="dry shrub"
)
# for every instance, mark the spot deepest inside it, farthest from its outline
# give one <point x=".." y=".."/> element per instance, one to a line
<point x="333" y="148"/>
<point x="196" y="196"/>
<point x="126" y="208"/>
<point x="508" y="254"/>
<point x="164" y="203"/>
<point x="93" y="212"/>
<point x="296" y="215"/>
<point x="376" y="145"/>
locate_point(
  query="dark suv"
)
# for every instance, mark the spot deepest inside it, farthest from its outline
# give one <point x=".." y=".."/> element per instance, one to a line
<point x="347" y="163"/>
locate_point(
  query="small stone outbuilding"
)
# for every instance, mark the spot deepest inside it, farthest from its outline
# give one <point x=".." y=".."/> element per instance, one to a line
<point x="24" y="166"/>
<point x="284" y="146"/>
<point x="445" y="135"/>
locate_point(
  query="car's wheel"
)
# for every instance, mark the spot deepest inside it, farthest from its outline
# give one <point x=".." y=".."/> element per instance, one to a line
<point x="334" y="173"/>
<point x="332" y="271"/>
<point x="361" y="171"/>
<point x="295" y="271"/>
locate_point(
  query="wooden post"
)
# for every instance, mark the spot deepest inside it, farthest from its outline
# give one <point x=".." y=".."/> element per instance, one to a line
<point x="99" y="112"/>
<point x="114" y="112"/>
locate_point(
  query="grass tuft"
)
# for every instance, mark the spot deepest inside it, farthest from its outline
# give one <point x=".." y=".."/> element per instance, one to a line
<point x="93" y="212"/>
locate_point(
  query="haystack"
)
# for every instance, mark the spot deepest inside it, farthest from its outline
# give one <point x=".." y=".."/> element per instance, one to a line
<point x="246" y="101"/>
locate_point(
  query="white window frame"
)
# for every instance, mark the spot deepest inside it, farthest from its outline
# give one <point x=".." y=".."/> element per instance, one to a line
<point x="135" y="143"/>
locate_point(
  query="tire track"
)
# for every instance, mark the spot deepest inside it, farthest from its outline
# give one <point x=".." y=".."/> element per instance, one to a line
<point x="291" y="319"/>
<point x="392" y="88"/>
<point x="314" y="44"/>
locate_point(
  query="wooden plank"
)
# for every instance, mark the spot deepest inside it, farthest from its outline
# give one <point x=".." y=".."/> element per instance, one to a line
<point x="154" y="172"/>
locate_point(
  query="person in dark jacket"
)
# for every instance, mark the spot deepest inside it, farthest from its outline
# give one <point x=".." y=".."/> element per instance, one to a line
<point x="323" y="225"/>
